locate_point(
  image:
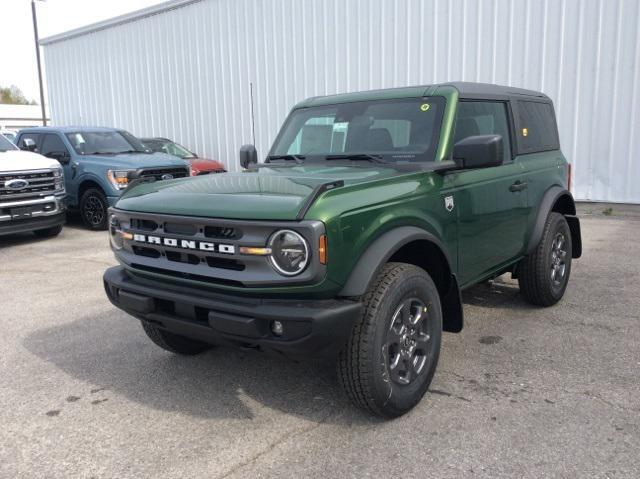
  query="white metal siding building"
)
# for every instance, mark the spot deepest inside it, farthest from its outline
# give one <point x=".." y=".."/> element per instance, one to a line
<point x="183" y="69"/>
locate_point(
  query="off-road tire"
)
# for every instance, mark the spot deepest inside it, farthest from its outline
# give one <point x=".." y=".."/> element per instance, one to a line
<point x="93" y="209"/>
<point x="48" y="232"/>
<point x="363" y="369"/>
<point x="535" y="270"/>
<point x="172" y="342"/>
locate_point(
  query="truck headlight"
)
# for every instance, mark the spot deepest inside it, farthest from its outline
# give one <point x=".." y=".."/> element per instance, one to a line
<point x="119" y="178"/>
<point x="58" y="180"/>
<point x="289" y="252"/>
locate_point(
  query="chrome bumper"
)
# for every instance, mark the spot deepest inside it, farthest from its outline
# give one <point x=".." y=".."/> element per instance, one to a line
<point x="51" y="205"/>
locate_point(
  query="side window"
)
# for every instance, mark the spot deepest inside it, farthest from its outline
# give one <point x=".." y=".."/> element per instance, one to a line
<point x="32" y="136"/>
<point x="483" y="118"/>
<point x="52" y="144"/>
<point x="537" y="129"/>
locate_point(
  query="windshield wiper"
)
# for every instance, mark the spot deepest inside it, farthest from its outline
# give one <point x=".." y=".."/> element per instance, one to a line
<point x="129" y="151"/>
<point x="357" y="157"/>
<point x="100" y="153"/>
<point x="296" y="158"/>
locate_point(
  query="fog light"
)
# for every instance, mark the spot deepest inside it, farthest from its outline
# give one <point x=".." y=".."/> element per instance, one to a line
<point x="277" y="328"/>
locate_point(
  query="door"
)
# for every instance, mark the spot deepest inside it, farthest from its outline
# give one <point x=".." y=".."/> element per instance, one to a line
<point x="491" y="203"/>
<point x="52" y="146"/>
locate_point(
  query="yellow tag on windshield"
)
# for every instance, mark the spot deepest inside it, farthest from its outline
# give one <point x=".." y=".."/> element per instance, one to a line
<point x="425" y="107"/>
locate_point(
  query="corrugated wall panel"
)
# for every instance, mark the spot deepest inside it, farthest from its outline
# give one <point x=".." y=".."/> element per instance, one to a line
<point x="186" y="73"/>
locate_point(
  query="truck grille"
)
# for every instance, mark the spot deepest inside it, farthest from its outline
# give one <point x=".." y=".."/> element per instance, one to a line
<point x="205" y="249"/>
<point x="39" y="183"/>
<point x="158" y="173"/>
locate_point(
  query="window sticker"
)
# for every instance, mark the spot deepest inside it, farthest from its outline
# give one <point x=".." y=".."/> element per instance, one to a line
<point x="425" y="107"/>
<point x="525" y="132"/>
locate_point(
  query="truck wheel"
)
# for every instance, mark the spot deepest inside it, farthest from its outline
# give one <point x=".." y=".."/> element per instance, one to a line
<point x="172" y="342"/>
<point x="48" y="232"/>
<point x="93" y="209"/>
<point x="389" y="361"/>
<point x="543" y="275"/>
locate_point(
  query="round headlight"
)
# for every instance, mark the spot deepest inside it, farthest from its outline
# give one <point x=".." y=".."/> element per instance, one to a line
<point x="289" y="252"/>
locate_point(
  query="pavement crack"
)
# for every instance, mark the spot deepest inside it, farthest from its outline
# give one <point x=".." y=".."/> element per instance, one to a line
<point x="277" y="442"/>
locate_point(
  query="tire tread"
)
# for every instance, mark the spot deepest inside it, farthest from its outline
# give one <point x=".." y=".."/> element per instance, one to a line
<point x="532" y="274"/>
<point x="354" y="374"/>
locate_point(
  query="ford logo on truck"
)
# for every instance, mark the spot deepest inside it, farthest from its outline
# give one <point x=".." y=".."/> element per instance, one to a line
<point x="185" y="244"/>
<point x="18" y="184"/>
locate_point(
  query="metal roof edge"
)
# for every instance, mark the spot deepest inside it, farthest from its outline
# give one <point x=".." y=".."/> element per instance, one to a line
<point x="119" y="20"/>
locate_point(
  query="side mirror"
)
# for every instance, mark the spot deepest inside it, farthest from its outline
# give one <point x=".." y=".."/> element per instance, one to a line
<point x="248" y="156"/>
<point x="481" y="151"/>
<point x="62" y="156"/>
<point x="28" y="144"/>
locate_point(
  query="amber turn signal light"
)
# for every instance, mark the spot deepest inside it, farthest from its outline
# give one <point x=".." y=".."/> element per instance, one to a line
<point x="322" y="249"/>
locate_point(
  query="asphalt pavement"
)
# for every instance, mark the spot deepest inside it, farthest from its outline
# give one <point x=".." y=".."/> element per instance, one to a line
<point x="521" y="392"/>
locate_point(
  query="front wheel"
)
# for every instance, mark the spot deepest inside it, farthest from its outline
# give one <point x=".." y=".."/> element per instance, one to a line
<point x="93" y="209"/>
<point x="393" y="350"/>
<point x="543" y="275"/>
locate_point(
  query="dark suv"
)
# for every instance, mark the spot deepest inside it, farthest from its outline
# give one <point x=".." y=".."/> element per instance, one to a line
<point x="354" y="238"/>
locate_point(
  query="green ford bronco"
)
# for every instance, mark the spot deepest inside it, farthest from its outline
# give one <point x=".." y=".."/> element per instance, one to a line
<point x="355" y="236"/>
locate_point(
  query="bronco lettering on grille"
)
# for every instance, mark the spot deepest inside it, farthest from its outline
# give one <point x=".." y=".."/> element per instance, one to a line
<point x="185" y="244"/>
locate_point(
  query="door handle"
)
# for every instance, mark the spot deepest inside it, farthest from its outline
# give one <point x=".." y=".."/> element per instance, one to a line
<point x="518" y="186"/>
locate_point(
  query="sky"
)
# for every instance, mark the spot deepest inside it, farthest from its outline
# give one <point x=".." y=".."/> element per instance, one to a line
<point x="18" y="57"/>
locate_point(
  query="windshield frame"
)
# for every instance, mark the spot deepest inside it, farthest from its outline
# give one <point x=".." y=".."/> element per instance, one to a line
<point x="400" y="157"/>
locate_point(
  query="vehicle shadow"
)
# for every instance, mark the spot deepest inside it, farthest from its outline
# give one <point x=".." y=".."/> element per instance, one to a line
<point x="73" y="222"/>
<point x="19" y="239"/>
<point x="111" y="353"/>
<point x="502" y="292"/>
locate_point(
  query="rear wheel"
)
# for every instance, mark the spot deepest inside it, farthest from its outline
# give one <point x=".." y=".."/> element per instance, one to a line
<point x="392" y="353"/>
<point x="48" y="232"/>
<point x="544" y="274"/>
<point x="93" y="209"/>
<point x="173" y="342"/>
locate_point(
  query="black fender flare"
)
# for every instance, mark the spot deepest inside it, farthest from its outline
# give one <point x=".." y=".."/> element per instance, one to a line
<point x="379" y="253"/>
<point x="549" y="200"/>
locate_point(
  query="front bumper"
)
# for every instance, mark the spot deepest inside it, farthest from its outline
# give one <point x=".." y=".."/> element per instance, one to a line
<point x="45" y="212"/>
<point x="311" y="328"/>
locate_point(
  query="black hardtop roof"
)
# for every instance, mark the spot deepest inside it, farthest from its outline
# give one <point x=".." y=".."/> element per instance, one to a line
<point x="464" y="89"/>
<point x="491" y="89"/>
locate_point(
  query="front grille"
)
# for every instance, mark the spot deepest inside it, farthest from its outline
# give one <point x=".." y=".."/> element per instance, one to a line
<point x="158" y="173"/>
<point x="208" y="249"/>
<point x="222" y="232"/>
<point x="143" y="225"/>
<point x="178" y="274"/>
<point x="40" y="183"/>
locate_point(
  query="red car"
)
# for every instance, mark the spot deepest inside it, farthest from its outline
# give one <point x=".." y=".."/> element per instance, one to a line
<point x="199" y="166"/>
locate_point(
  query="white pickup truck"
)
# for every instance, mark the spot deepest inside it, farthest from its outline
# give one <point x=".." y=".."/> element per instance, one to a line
<point x="32" y="195"/>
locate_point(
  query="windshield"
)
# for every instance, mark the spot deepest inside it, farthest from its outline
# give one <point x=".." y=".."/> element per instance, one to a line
<point x="392" y="130"/>
<point x="10" y="136"/>
<point x="166" y="146"/>
<point x="104" y="142"/>
<point x="6" y="145"/>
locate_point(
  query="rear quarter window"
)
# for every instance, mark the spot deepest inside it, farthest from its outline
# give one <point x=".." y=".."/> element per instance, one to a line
<point x="536" y="127"/>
